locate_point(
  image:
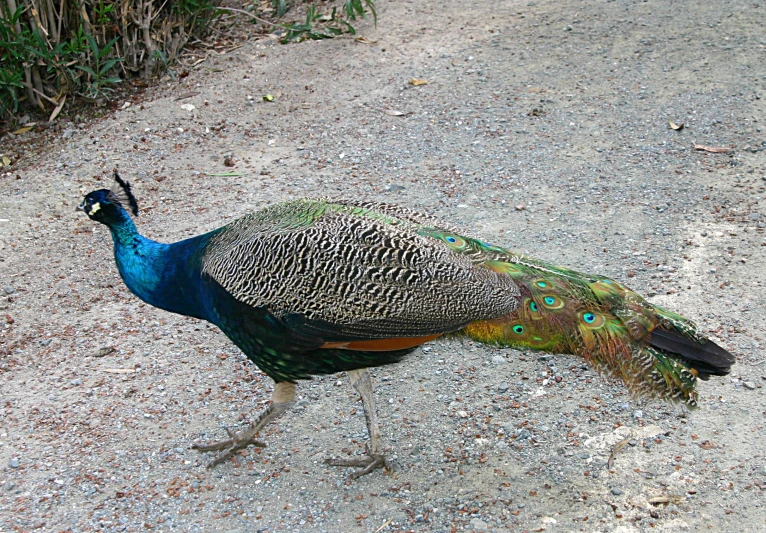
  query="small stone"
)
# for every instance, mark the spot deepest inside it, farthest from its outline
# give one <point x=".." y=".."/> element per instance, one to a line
<point x="545" y="358"/>
<point x="102" y="352"/>
<point x="638" y="413"/>
<point x="9" y="290"/>
<point x="498" y="359"/>
<point x="14" y="462"/>
<point x="748" y="385"/>
<point x="462" y="414"/>
<point x="478" y="524"/>
<point x="503" y="387"/>
<point x="9" y="486"/>
<point x="617" y="492"/>
<point x="524" y="434"/>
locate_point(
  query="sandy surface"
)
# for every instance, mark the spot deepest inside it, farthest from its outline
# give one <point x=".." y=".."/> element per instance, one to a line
<point x="543" y="128"/>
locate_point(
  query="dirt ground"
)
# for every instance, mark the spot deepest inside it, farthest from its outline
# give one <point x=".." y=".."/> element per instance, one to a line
<point x="543" y="128"/>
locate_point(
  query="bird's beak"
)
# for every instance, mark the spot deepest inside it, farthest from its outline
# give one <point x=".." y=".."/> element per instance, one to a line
<point x="81" y="207"/>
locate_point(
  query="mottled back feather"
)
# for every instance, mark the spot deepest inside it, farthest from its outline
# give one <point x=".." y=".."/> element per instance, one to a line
<point x="345" y="271"/>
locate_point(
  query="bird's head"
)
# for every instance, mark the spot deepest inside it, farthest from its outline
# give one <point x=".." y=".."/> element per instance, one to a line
<point x="109" y="206"/>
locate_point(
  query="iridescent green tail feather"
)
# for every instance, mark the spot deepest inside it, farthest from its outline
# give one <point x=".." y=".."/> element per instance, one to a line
<point x="656" y="353"/>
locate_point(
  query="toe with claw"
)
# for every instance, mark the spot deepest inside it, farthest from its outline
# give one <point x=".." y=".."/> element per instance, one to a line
<point x="229" y="446"/>
<point x="367" y="463"/>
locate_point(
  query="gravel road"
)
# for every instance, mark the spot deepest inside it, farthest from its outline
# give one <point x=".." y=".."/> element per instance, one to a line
<point x="544" y="128"/>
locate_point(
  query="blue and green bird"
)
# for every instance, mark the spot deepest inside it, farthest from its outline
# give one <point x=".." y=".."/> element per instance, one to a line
<point x="319" y="286"/>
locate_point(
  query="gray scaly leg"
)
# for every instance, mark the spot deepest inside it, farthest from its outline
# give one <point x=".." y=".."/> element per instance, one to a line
<point x="360" y="379"/>
<point x="282" y="399"/>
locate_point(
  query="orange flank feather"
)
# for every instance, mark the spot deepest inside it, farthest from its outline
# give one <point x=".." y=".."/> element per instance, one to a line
<point x="381" y="345"/>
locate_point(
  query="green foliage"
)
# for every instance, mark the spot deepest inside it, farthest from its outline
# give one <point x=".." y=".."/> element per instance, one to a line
<point x="10" y="84"/>
<point x="192" y="7"/>
<point x="160" y="56"/>
<point x="98" y="79"/>
<point x="319" y="26"/>
<point x="103" y="12"/>
<point x="85" y="47"/>
<point x="280" y="6"/>
<point x="198" y="13"/>
<point x="77" y="44"/>
<point x="14" y="52"/>
<point x="355" y="8"/>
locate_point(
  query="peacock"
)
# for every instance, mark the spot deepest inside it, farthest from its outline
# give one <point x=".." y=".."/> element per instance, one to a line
<point x="318" y="286"/>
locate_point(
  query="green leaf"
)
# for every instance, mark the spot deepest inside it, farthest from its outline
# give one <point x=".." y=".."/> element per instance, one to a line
<point x="109" y="64"/>
<point x="87" y="69"/>
<point x="107" y="47"/>
<point x="281" y="7"/>
<point x="93" y="44"/>
<point x="349" y="28"/>
<point x="371" y="6"/>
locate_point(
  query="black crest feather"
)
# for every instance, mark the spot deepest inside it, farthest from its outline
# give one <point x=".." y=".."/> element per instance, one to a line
<point x="123" y="194"/>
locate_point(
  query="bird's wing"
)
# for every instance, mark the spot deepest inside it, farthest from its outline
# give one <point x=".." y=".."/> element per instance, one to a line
<point x="343" y="271"/>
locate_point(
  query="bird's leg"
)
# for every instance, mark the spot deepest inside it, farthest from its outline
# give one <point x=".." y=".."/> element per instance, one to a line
<point x="360" y="379"/>
<point x="282" y="399"/>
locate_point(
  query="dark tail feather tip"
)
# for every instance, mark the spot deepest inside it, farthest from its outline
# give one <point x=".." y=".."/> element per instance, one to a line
<point x="706" y="357"/>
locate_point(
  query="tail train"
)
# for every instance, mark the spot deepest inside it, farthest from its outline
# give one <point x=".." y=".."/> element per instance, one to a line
<point x="656" y="353"/>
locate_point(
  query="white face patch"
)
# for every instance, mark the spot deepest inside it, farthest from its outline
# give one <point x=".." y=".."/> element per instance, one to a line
<point x="95" y="207"/>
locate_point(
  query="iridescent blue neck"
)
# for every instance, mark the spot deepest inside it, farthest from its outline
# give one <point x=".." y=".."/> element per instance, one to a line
<point x="162" y="275"/>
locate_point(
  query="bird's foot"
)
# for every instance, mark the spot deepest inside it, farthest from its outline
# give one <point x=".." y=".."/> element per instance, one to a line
<point x="236" y="441"/>
<point x="369" y="462"/>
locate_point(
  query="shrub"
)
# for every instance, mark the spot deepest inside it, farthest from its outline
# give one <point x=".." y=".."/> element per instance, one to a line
<point x="84" y="47"/>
